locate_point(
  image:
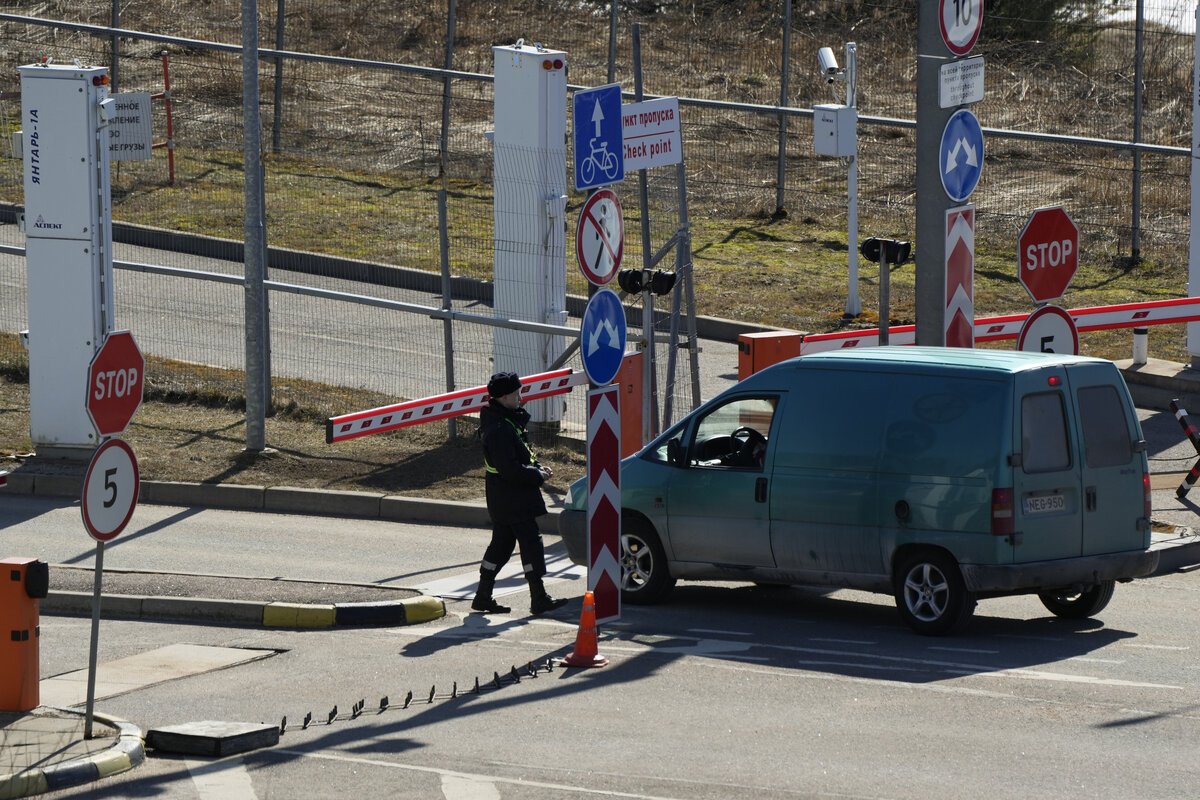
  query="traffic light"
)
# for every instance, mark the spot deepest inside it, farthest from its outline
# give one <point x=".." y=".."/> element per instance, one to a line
<point x="661" y="282"/>
<point x="632" y="281"/>
<point x="895" y="252"/>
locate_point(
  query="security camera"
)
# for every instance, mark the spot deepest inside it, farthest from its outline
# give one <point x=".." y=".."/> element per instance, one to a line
<point x="828" y="62"/>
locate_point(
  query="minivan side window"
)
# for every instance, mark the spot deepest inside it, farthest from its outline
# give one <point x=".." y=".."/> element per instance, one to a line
<point x="734" y="434"/>
<point x="1106" y="441"/>
<point x="1044" y="443"/>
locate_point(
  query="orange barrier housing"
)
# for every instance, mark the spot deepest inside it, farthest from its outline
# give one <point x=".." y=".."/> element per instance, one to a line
<point x="629" y="376"/>
<point x="757" y="351"/>
<point x="23" y="581"/>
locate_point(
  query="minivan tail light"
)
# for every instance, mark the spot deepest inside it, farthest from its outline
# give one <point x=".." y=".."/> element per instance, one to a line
<point x="1146" y="501"/>
<point x="1002" y="512"/>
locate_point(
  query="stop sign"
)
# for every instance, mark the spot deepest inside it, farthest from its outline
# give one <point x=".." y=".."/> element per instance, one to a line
<point x="1047" y="253"/>
<point x="115" y="383"/>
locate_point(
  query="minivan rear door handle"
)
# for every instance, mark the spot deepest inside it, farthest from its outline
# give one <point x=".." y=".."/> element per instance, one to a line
<point x="1090" y="498"/>
<point x="760" y="490"/>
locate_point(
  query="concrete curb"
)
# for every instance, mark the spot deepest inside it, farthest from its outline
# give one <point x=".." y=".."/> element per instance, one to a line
<point x="408" y="611"/>
<point x="126" y="753"/>
<point x="282" y="499"/>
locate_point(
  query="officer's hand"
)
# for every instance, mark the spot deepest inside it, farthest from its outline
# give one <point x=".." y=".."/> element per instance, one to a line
<point x="546" y="472"/>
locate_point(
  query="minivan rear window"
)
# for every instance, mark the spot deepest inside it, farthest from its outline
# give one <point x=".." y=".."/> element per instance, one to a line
<point x="1044" y="442"/>
<point x="1106" y="441"/>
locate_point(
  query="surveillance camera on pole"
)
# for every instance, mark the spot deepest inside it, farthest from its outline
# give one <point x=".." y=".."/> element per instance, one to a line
<point x="828" y="63"/>
<point x="835" y="133"/>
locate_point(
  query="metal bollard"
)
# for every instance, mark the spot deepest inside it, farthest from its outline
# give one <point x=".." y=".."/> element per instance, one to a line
<point x="1141" y="339"/>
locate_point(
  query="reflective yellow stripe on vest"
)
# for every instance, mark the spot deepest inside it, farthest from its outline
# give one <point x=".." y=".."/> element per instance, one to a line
<point x="532" y="458"/>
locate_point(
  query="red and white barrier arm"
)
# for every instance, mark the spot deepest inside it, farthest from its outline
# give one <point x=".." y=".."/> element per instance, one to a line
<point x="990" y="329"/>
<point x="444" y="406"/>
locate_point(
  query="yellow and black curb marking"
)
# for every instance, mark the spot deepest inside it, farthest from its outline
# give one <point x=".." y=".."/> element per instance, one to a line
<point x="325" y="615"/>
<point x="126" y="753"/>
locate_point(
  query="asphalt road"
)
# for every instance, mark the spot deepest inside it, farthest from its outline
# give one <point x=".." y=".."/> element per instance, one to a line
<point x="727" y="690"/>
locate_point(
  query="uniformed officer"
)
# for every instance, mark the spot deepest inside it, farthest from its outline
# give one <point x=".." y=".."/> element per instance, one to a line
<point x="514" y="496"/>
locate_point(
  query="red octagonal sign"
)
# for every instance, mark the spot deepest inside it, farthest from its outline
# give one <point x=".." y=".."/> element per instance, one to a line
<point x="1047" y="253"/>
<point x="115" y="383"/>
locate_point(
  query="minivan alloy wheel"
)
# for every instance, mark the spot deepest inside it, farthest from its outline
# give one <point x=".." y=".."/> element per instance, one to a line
<point x="644" y="576"/>
<point x="931" y="595"/>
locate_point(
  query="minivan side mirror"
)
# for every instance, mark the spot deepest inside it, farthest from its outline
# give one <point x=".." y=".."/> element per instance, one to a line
<point x="675" y="452"/>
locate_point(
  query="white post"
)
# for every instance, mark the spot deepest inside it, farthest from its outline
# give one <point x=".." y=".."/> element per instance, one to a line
<point x="530" y="206"/>
<point x="1193" y="287"/>
<point x="853" y="303"/>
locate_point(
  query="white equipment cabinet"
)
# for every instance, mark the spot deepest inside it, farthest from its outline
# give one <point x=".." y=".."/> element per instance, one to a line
<point x="68" y="246"/>
<point x="529" y="158"/>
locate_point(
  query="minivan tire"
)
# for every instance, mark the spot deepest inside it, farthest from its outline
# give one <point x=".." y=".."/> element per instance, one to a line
<point x="930" y="593"/>
<point x="644" y="575"/>
<point x="1070" y="604"/>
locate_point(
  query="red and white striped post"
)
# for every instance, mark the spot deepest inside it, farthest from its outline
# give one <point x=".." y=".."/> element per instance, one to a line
<point x="604" y="500"/>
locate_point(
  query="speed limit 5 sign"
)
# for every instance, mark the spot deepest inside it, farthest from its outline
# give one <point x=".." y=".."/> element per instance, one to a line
<point x="110" y="490"/>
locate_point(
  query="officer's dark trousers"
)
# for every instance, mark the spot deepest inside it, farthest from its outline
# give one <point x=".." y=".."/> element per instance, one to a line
<point x="505" y="538"/>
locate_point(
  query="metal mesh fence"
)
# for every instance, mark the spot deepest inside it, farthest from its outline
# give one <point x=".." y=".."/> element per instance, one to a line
<point x="366" y="115"/>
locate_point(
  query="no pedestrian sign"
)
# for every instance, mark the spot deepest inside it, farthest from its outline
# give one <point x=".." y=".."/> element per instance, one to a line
<point x="600" y="237"/>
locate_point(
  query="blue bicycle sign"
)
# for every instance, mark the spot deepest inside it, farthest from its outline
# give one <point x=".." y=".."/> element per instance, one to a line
<point x="599" y="136"/>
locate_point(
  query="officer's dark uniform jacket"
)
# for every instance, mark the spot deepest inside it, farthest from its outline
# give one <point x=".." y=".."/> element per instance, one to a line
<point x="513" y="481"/>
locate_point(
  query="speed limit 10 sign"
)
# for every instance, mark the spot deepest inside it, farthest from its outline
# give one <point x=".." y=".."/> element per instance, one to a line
<point x="110" y="490"/>
<point x="961" y="21"/>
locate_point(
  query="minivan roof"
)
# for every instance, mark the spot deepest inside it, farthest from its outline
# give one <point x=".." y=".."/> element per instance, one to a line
<point x="993" y="361"/>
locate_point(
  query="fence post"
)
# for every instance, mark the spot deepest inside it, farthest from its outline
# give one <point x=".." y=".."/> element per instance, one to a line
<point x="1135" y="233"/>
<point x="115" y="59"/>
<point x="277" y="115"/>
<point x="443" y="226"/>
<point x="255" y="238"/>
<point x="784" y="101"/>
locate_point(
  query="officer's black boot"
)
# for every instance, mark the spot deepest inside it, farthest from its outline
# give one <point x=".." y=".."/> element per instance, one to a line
<point x="483" y="596"/>
<point x="539" y="601"/>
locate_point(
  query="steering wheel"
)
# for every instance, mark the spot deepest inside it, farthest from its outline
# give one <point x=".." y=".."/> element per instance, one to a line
<point x="752" y="445"/>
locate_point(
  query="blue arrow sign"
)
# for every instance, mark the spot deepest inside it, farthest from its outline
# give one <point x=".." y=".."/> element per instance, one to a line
<point x="961" y="155"/>
<point x="602" y="337"/>
<point x="599" y="136"/>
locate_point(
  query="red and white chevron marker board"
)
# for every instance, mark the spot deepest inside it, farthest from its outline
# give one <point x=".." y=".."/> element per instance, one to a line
<point x="990" y="329"/>
<point x="960" y="277"/>
<point x="604" y="500"/>
<point x="444" y="406"/>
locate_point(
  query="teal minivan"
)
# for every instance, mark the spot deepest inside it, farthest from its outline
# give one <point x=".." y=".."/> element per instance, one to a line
<point x="937" y="475"/>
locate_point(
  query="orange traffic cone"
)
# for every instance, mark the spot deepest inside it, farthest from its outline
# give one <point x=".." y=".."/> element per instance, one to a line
<point x="584" y="654"/>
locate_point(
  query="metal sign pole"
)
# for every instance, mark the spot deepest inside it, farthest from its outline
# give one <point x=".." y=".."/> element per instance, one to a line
<point x="91" y="682"/>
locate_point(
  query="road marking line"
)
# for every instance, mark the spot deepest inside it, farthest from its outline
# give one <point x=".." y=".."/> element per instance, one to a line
<point x="221" y="780"/>
<point x="965" y="650"/>
<point x="524" y="782"/>
<point x="719" y="633"/>
<point x="468" y="787"/>
<point x="1155" y="646"/>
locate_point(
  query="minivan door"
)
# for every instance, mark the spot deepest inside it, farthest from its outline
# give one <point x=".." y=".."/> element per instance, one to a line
<point x="1046" y="484"/>
<point x="1113" y="491"/>
<point x="718" y="505"/>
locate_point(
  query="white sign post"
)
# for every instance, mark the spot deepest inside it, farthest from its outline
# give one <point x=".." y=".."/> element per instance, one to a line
<point x="110" y="490"/>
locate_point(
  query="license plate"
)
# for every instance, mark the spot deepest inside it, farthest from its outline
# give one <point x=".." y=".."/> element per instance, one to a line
<point x="1044" y="504"/>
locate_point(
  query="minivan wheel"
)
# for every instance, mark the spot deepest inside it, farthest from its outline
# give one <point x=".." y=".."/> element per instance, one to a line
<point x="644" y="575"/>
<point x="931" y="595"/>
<point x="1070" y="604"/>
